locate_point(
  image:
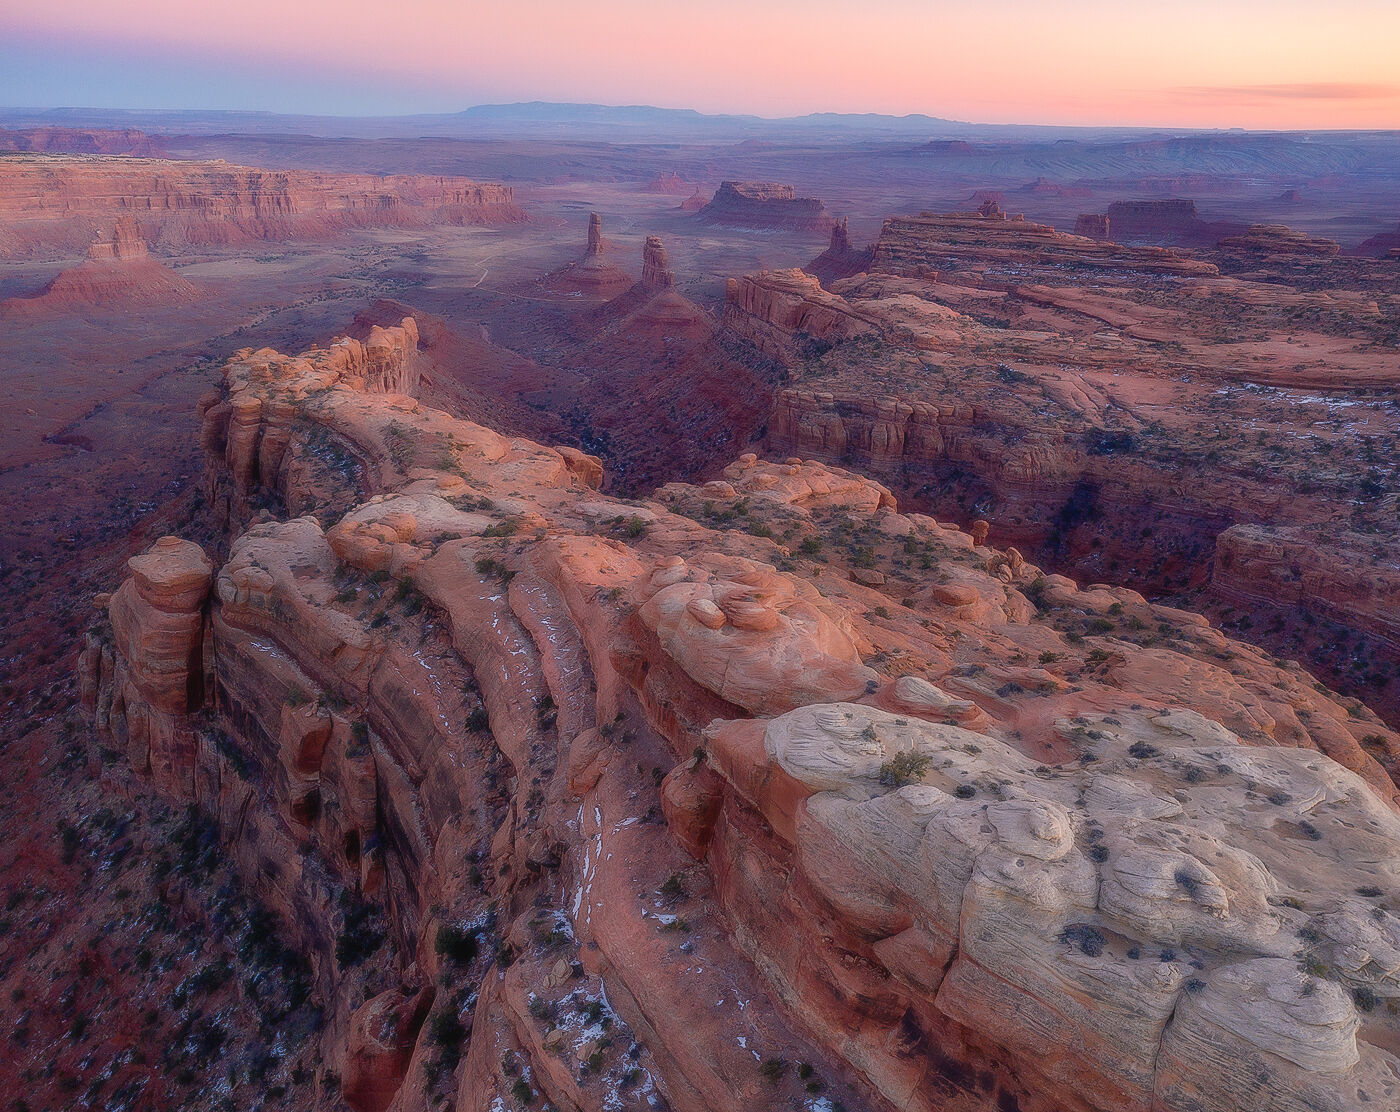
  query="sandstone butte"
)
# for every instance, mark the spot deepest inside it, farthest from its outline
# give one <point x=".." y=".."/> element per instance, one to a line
<point x="765" y="205"/>
<point x="1116" y="409"/>
<point x="118" y="272"/>
<point x="665" y="797"/>
<point x="592" y="276"/>
<point x="51" y="205"/>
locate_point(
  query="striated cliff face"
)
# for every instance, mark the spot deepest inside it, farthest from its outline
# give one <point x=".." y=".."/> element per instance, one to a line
<point x="52" y="205"/>
<point x="754" y="794"/>
<point x="930" y="242"/>
<point x="1109" y="409"/>
<point x="747" y="204"/>
<point x="1278" y="240"/>
<point x="782" y="312"/>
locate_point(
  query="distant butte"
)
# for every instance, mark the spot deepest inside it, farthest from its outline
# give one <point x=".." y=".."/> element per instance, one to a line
<point x="766" y="205"/>
<point x="591" y="276"/>
<point x="117" y="272"/>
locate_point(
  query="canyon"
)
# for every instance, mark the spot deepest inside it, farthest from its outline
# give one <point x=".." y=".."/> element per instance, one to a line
<point x="900" y="781"/>
<point x="630" y="659"/>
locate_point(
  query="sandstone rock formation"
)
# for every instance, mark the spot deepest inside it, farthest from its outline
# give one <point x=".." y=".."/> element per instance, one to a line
<point x="696" y="201"/>
<point x="765" y="205"/>
<point x="1111" y="409"/>
<point x="670" y="183"/>
<point x="52" y="205"/>
<point x="118" y="272"/>
<point x="1278" y="241"/>
<point x="1094" y="225"/>
<point x="81" y="140"/>
<point x="656" y="269"/>
<point x="840" y="259"/>
<point x="950" y="832"/>
<point x="593" y="276"/>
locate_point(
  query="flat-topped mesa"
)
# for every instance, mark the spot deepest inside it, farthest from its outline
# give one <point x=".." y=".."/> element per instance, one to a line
<point x="765" y="205"/>
<point x="1092" y="225"/>
<point x="656" y="270"/>
<point x="1000" y="247"/>
<point x="1278" y="240"/>
<point x="53" y="205"/>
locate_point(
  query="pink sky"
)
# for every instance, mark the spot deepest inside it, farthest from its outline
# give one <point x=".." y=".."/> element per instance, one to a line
<point x="1222" y="63"/>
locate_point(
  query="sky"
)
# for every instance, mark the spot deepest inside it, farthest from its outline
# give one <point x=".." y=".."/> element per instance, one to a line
<point x="1183" y="63"/>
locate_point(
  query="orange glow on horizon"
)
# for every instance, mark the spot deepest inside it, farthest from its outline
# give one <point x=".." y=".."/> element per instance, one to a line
<point x="1230" y="63"/>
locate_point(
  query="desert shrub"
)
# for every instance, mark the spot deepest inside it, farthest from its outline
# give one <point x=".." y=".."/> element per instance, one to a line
<point x="904" y="768"/>
<point x="456" y="944"/>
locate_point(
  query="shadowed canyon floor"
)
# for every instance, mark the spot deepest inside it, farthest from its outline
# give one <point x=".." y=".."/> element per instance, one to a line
<point x="628" y="670"/>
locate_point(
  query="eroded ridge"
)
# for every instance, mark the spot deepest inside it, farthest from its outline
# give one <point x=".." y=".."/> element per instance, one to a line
<point x="756" y="793"/>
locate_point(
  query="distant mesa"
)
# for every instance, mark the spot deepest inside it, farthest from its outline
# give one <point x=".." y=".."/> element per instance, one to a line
<point x="696" y="201"/>
<point x="1278" y="241"/>
<point x="840" y="259"/>
<point x="955" y="148"/>
<point x="52" y="206"/>
<point x="592" y="276"/>
<point x="1094" y="225"/>
<point x="1291" y="197"/>
<point x="118" y="272"/>
<point x="1385" y="245"/>
<point x="672" y="184"/>
<point x="81" y="140"/>
<point x="766" y="206"/>
<point x="968" y="243"/>
<point x="1044" y="187"/>
<point x="1174" y="221"/>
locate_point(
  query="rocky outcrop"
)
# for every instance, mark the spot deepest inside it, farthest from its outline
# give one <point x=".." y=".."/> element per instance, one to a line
<point x="1278" y="241"/>
<point x="118" y="273"/>
<point x="656" y="268"/>
<point x="931" y="243"/>
<point x="51" y="205"/>
<point x="1093" y="225"/>
<point x="1060" y="387"/>
<point x="840" y="259"/>
<point x="594" y="276"/>
<point x="671" y="184"/>
<point x="765" y="205"/>
<point x="1350" y="577"/>
<point x="784" y="312"/>
<point x="696" y="201"/>
<point x="949" y="832"/>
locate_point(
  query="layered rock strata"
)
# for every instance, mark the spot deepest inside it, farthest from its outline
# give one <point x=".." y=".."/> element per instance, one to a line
<point x="765" y="205"/>
<point x="51" y="205"/>
<point x="758" y="793"/>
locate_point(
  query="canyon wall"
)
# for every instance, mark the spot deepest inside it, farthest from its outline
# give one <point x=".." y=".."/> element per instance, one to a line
<point x="752" y="794"/>
<point x="53" y="206"/>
